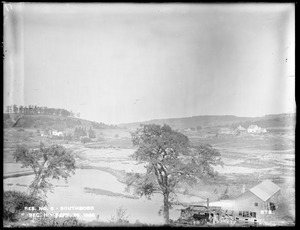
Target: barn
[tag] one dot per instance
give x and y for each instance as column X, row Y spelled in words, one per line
column 254, row 204
column 258, row 201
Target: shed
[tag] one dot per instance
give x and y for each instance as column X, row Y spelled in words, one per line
column 257, row 201
column 241, row 130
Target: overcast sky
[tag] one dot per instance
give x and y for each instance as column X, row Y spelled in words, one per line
column 118, row 63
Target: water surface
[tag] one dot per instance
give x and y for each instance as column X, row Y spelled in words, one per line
column 73, row 193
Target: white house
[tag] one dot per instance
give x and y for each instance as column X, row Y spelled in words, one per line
column 256, row 129
column 53, row 132
column 57, row 133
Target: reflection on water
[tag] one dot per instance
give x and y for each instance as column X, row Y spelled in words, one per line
column 142, row 209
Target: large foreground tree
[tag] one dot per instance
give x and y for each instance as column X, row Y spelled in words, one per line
column 170, row 161
column 53, row 162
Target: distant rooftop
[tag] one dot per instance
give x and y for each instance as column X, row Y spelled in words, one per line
column 241, row 128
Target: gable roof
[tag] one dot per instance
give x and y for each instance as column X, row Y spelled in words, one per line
column 265, row 190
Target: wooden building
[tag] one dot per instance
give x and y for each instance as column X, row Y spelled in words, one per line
column 258, row 201
column 241, row 130
column 254, row 204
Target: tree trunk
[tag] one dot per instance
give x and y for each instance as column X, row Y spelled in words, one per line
column 166, row 208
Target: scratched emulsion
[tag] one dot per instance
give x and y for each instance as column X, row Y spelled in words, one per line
column 14, row 71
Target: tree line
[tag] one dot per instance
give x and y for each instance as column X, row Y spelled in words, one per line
column 80, row 131
column 34, row 110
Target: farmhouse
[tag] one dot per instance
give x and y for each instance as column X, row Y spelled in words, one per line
column 53, row 132
column 256, row 129
column 253, row 129
column 57, row 133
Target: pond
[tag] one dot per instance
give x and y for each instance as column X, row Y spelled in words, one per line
column 99, row 190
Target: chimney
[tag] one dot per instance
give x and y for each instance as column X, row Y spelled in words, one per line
column 244, row 188
column 207, row 202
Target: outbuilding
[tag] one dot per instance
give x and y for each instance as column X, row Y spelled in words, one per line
column 254, row 204
column 258, row 201
column 241, row 130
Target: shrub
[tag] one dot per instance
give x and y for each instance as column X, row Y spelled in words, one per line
column 121, row 217
column 85, row 140
column 57, row 137
column 225, row 195
column 14, row 203
column 79, row 132
column 91, row 133
column 51, row 221
column 68, row 137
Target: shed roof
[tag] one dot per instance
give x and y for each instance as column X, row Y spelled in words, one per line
column 241, row 128
column 265, row 190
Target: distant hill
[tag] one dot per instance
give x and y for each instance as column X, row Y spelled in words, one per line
column 274, row 120
column 49, row 121
column 195, row 122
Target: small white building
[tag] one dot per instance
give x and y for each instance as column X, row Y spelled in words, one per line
column 57, row 133
column 44, row 133
column 241, row 130
column 263, row 130
column 53, row 132
column 253, row 129
column 256, row 129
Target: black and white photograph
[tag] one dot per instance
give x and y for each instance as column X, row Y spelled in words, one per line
column 148, row 114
